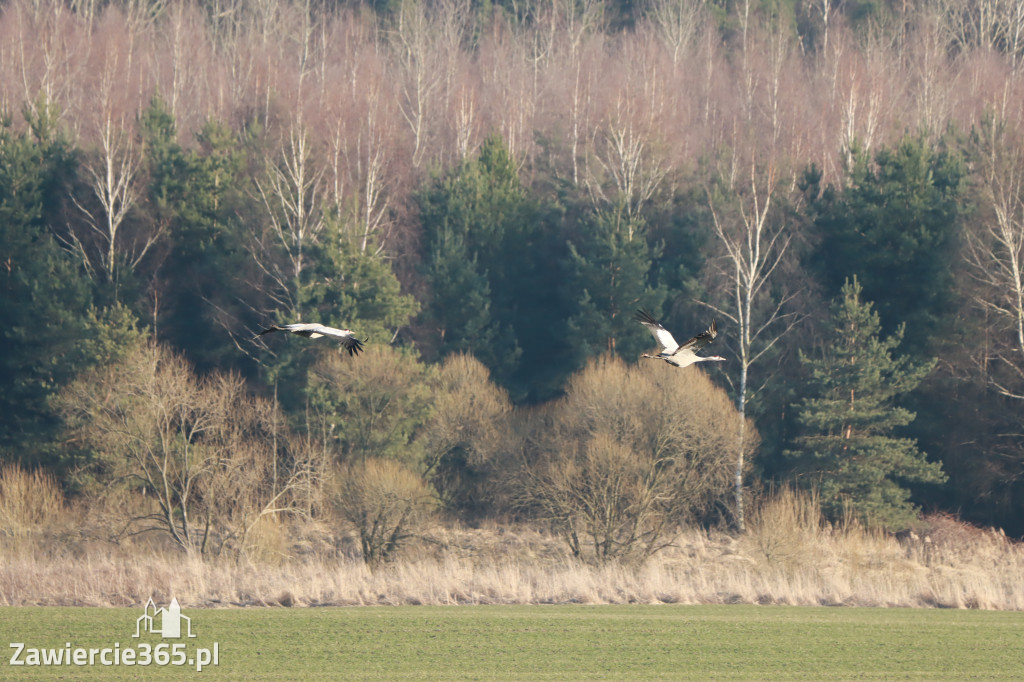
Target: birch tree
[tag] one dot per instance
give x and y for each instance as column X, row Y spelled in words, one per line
column 754, row 243
column 113, row 175
column 104, row 240
column 418, row 55
column 995, row 254
column 991, row 25
column 677, row 24
column 49, row 62
column 290, row 193
column 361, row 171
column 626, row 159
column 863, row 84
column 373, row 158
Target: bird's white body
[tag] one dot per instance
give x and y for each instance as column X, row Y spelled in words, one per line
column 312, row 330
column 679, row 355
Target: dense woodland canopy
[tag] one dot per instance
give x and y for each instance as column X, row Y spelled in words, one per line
column 509, row 182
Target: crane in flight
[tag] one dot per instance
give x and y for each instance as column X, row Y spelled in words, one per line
column 679, row 355
column 315, row 331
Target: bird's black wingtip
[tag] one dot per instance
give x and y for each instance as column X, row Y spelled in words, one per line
column 644, row 316
column 355, row 347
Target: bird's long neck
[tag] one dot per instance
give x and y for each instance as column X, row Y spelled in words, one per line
column 710, row 358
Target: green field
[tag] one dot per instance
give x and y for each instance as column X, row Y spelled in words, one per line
column 544, row 642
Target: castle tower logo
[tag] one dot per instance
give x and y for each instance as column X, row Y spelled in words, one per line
column 165, row 622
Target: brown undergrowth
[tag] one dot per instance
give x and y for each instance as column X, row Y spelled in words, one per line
column 51, row 554
column 781, row 560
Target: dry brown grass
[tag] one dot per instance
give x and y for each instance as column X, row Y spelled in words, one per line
column 30, row 501
column 32, row 508
column 947, row 564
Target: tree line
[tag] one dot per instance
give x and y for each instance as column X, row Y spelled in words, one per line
column 486, row 194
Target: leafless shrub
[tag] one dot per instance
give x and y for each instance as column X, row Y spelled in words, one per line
column 201, row 458
column 387, row 504
column 629, row 454
column 944, row 540
column 467, row 439
column 106, row 514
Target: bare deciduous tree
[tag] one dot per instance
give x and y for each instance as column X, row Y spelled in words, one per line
column 467, row 436
column 753, row 247
column 146, row 419
column 106, row 239
column 112, row 171
column 677, row 23
column 862, row 85
column 418, row 73
column 996, row 25
column 361, row 170
column 579, row 110
column 513, row 99
column 933, row 74
column 626, row 157
column 188, row 70
column 574, row 20
column 198, row 457
column 46, row 52
column 291, row 196
column 260, row 470
column 631, row 453
column 995, row 254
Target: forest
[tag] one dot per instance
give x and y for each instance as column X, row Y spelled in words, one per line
column 486, row 193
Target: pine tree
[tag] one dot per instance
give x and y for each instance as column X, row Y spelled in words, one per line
column 608, row 274
column 848, row 444
column 459, row 308
column 194, row 196
column 895, row 227
column 491, row 267
column 345, row 287
column 50, row 328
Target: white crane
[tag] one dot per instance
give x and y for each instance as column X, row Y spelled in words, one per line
column 673, row 353
column 315, row 331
